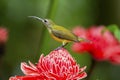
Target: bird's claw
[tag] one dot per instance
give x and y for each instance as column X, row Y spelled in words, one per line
column 59, row 47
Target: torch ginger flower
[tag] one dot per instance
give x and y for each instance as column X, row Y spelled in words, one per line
column 3, row 40
column 3, row 35
column 103, row 46
column 58, row 65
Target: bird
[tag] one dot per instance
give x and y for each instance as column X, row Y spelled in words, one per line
column 59, row 33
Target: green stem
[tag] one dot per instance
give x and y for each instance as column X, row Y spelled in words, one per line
column 2, row 50
column 52, row 9
column 93, row 64
column 50, row 14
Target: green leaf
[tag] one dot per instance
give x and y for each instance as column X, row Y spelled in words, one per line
column 112, row 28
column 117, row 34
column 115, row 30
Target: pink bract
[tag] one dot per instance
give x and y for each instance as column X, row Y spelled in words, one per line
column 3, row 35
column 58, row 65
column 103, row 46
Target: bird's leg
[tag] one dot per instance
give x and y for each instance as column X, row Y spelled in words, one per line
column 63, row 45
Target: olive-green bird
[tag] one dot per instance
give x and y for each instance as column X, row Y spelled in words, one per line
column 59, row 33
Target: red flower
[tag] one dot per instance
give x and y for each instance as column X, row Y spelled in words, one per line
column 58, row 65
column 102, row 41
column 3, row 39
column 83, row 46
column 113, row 54
column 3, row 35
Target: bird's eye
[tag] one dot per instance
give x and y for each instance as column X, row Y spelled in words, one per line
column 45, row 20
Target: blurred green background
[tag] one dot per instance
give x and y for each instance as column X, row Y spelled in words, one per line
column 28, row 38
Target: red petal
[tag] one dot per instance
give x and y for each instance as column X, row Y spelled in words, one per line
column 26, row 78
column 113, row 54
column 80, row 76
column 29, row 70
column 3, row 35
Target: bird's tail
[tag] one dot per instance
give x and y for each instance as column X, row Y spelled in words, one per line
column 83, row 40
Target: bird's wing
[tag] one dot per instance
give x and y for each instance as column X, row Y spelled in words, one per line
column 62, row 33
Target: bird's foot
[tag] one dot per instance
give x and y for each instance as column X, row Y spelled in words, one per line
column 59, row 47
column 62, row 46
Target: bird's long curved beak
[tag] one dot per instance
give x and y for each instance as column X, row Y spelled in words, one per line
column 35, row 17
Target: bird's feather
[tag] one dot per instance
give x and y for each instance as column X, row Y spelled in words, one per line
column 62, row 33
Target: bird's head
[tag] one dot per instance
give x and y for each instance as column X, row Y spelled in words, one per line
column 47, row 22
